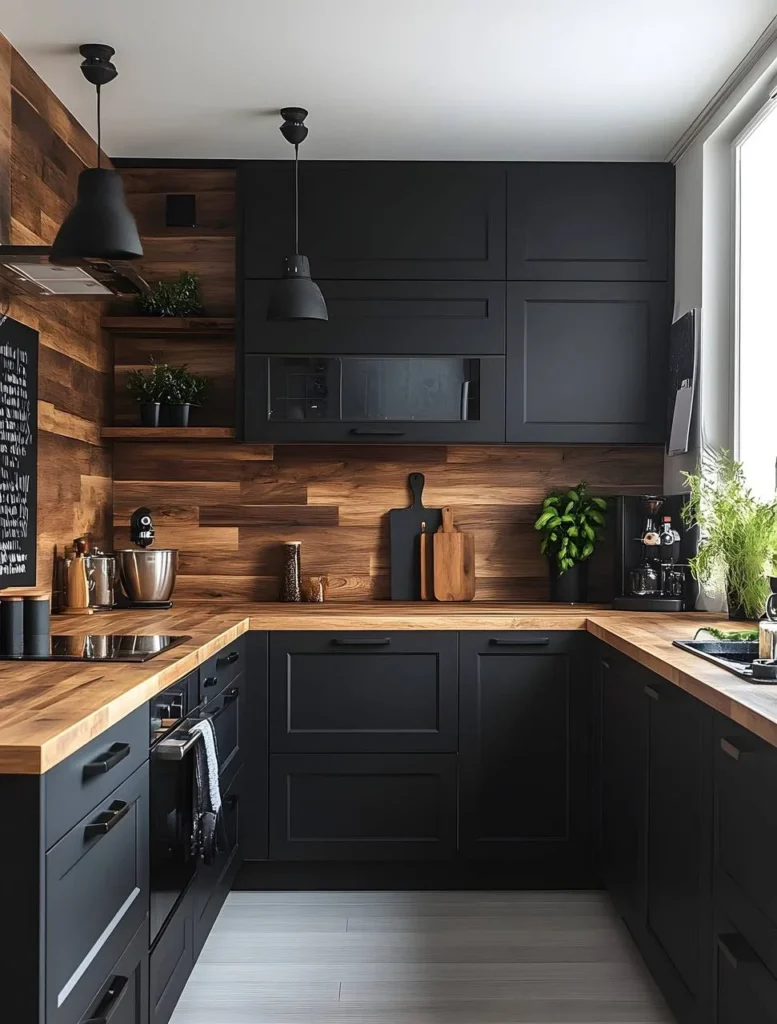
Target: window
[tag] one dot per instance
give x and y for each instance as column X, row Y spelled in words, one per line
column 756, row 301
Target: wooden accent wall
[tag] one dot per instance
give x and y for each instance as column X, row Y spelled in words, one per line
column 42, row 151
column 229, row 507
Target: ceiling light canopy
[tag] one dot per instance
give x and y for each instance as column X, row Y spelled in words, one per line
column 296, row 296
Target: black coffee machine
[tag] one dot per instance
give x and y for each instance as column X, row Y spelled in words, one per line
column 651, row 555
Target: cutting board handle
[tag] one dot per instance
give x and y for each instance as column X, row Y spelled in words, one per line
column 447, row 520
column 416, row 483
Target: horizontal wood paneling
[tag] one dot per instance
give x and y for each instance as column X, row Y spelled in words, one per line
column 229, row 508
column 42, row 151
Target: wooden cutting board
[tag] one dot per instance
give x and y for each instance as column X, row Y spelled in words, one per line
column 454, row 562
column 405, row 533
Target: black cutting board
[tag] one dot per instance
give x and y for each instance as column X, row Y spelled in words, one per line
column 405, row 529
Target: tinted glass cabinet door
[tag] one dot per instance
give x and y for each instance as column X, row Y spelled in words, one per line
column 387, row 220
column 586, row 362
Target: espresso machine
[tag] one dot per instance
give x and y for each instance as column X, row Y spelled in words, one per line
column 652, row 552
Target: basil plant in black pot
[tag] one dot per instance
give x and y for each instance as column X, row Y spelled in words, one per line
column 571, row 523
column 147, row 388
column 182, row 390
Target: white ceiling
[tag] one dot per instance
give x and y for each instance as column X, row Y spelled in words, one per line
column 393, row 79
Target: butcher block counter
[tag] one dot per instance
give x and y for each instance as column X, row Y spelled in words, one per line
column 49, row 710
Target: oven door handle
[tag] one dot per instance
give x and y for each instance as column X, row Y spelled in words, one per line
column 180, row 741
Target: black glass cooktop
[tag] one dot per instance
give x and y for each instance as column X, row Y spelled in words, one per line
column 102, row 647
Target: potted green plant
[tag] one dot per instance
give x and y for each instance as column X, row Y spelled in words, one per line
column 147, row 388
column 571, row 522
column 182, row 389
column 737, row 534
column 173, row 298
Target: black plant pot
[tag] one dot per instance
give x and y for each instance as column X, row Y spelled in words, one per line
column 571, row 587
column 149, row 414
column 178, row 415
column 736, row 610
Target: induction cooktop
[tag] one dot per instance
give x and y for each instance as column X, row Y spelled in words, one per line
column 102, row 647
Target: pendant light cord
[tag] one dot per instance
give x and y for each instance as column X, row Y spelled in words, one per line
column 99, row 133
column 296, row 199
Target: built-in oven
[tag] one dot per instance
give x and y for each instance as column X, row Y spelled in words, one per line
column 172, row 781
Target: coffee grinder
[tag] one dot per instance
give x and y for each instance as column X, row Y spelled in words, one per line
column 652, row 552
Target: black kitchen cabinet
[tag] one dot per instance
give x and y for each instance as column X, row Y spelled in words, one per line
column 376, row 220
column 363, row 692
column 253, row 804
column 587, row 362
column 745, row 991
column 361, row 807
column 525, row 777
column 384, row 318
column 171, row 961
column 590, row 221
column 623, row 761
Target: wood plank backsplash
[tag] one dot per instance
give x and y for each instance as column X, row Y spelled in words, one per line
column 229, row 507
column 42, row 151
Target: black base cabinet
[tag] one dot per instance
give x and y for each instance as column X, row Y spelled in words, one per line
column 524, row 762
column 123, row 999
column 171, row 962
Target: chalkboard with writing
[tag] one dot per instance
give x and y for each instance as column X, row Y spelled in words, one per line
column 18, row 453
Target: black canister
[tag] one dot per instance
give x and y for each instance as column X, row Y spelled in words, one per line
column 37, row 625
column 11, row 626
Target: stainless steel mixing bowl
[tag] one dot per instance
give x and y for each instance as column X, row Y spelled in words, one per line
column 147, row 575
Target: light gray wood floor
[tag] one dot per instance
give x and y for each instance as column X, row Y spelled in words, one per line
column 420, row 958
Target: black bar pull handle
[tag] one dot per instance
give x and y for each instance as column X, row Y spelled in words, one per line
column 109, row 819
column 740, row 747
column 650, row 692
column 376, row 433
column 231, row 695
column 736, row 950
column 361, row 642
column 606, row 664
column 210, row 681
column 541, row 641
column 230, row 659
column 102, row 764
column 110, row 1002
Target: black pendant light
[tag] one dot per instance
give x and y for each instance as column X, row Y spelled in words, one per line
column 99, row 225
column 296, row 296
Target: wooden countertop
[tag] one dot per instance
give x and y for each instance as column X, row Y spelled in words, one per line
column 49, row 710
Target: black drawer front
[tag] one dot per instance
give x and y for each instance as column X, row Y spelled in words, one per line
column 83, row 780
column 363, row 692
column 123, row 999
column 746, row 991
column 225, row 714
column 746, row 797
column 362, row 806
column 96, row 897
column 213, row 881
column 222, row 669
column 171, row 961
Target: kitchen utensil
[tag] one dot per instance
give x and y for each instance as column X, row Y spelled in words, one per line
column 291, row 583
column 78, row 582
column 426, row 559
column 102, row 573
column 147, row 576
column 405, row 530
column 454, row 562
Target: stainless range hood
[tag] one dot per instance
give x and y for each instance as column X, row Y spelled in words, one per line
column 29, row 269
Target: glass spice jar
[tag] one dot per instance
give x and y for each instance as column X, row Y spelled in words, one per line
column 291, row 582
column 315, row 589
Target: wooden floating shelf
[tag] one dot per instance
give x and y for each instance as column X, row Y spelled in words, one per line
column 167, row 433
column 151, row 326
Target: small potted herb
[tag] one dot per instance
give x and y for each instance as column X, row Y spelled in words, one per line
column 173, row 298
column 182, row 389
column 570, row 523
column 147, row 388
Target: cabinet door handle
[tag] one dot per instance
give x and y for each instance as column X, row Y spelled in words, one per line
column 230, row 659
column 361, row 642
column 115, row 994
column 102, row 764
column 541, row 641
column 739, row 748
column 650, row 692
column 210, row 681
column 376, row 433
column 606, row 664
column 231, row 695
column 736, row 950
column 109, row 819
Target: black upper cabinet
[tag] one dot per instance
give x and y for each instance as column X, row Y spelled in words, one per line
column 589, row 222
column 586, row 362
column 523, row 748
column 386, row 220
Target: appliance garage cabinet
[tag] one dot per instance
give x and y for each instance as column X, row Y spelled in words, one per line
column 475, row 303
